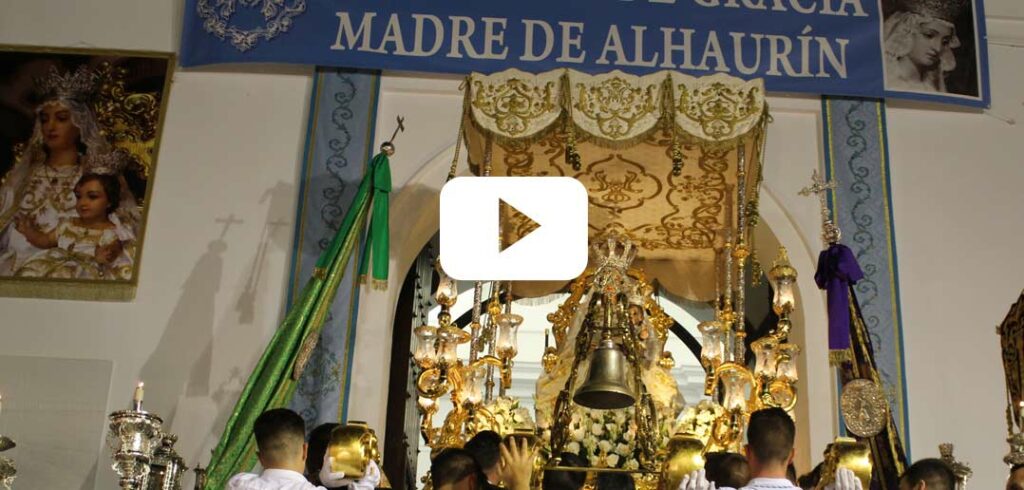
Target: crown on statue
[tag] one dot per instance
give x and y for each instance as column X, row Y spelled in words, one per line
column 110, row 163
column 79, row 85
column 613, row 250
column 947, row 10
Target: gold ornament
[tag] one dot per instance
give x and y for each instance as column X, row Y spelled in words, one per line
column 864, row 407
column 352, row 447
column 850, row 454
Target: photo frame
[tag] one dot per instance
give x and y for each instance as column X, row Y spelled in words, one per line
column 80, row 133
column 931, row 47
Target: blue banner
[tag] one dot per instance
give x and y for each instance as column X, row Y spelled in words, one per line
column 857, row 159
column 339, row 142
column 920, row 49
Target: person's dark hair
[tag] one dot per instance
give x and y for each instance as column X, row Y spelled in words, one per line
column 485, row 448
column 727, row 469
column 1012, row 484
column 319, row 438
column 615, row 481
column 810, row 480
column 111, row 186
column 279, row 433
column 454, row 465
column 935, row 473
column 566, row 480
column 791, row 473
column 770, row 435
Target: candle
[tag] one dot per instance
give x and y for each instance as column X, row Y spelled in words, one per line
column 137, row 398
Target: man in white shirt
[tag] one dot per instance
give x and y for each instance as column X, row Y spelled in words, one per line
column 770, row 437
column 281, row 447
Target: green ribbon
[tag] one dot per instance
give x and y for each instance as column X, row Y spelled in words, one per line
column 377, row 243
column 273, row 381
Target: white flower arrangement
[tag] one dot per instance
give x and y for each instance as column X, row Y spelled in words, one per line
column 698, row 419
column 509, row 415
column 607, row 438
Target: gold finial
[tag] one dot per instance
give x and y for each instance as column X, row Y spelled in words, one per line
column 829, row 230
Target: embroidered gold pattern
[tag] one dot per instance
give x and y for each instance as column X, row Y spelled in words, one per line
column 718, row 107
column 617, row 183
column 514, row 105
column 616, row 105
column 658, row 154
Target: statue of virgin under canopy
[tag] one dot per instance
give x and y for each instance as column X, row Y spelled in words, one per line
column 606, row 437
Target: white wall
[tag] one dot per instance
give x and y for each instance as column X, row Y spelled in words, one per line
column 231, row 145
column 957, row 201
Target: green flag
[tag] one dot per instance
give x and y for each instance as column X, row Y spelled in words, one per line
column 273, row 381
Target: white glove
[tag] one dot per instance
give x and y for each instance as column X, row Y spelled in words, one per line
column 330, row 479
column 845, row 480
column 696, row 481
column 370, row 480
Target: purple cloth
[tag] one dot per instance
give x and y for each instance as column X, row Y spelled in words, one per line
column 837, row 271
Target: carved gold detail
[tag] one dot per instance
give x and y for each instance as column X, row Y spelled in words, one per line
column 865, row 408
column 129, row 120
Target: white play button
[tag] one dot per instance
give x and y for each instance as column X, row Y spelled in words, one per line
column 552, row 242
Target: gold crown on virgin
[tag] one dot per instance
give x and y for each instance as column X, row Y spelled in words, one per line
column 110, row 163
column 947, row 10
column 613, row 250
column 78, row 85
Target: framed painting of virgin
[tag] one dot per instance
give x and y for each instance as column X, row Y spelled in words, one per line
column 79, row 139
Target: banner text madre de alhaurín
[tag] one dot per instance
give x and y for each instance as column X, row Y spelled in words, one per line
column 746, row 53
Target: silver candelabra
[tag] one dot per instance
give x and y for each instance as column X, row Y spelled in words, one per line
column 167, row 467
column 134, row 436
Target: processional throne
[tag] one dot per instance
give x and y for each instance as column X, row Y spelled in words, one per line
column 672, row 164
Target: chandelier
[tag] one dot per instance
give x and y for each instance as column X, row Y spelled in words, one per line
column 735, row 389
column 492, row 340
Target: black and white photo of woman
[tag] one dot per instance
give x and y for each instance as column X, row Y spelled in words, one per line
column 930, row 46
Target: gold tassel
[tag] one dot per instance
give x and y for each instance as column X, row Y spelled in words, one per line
column 376, row 284
column 839, row 357
column 677, row 154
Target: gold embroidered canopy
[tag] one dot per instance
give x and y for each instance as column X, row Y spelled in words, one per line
column 669, row 160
